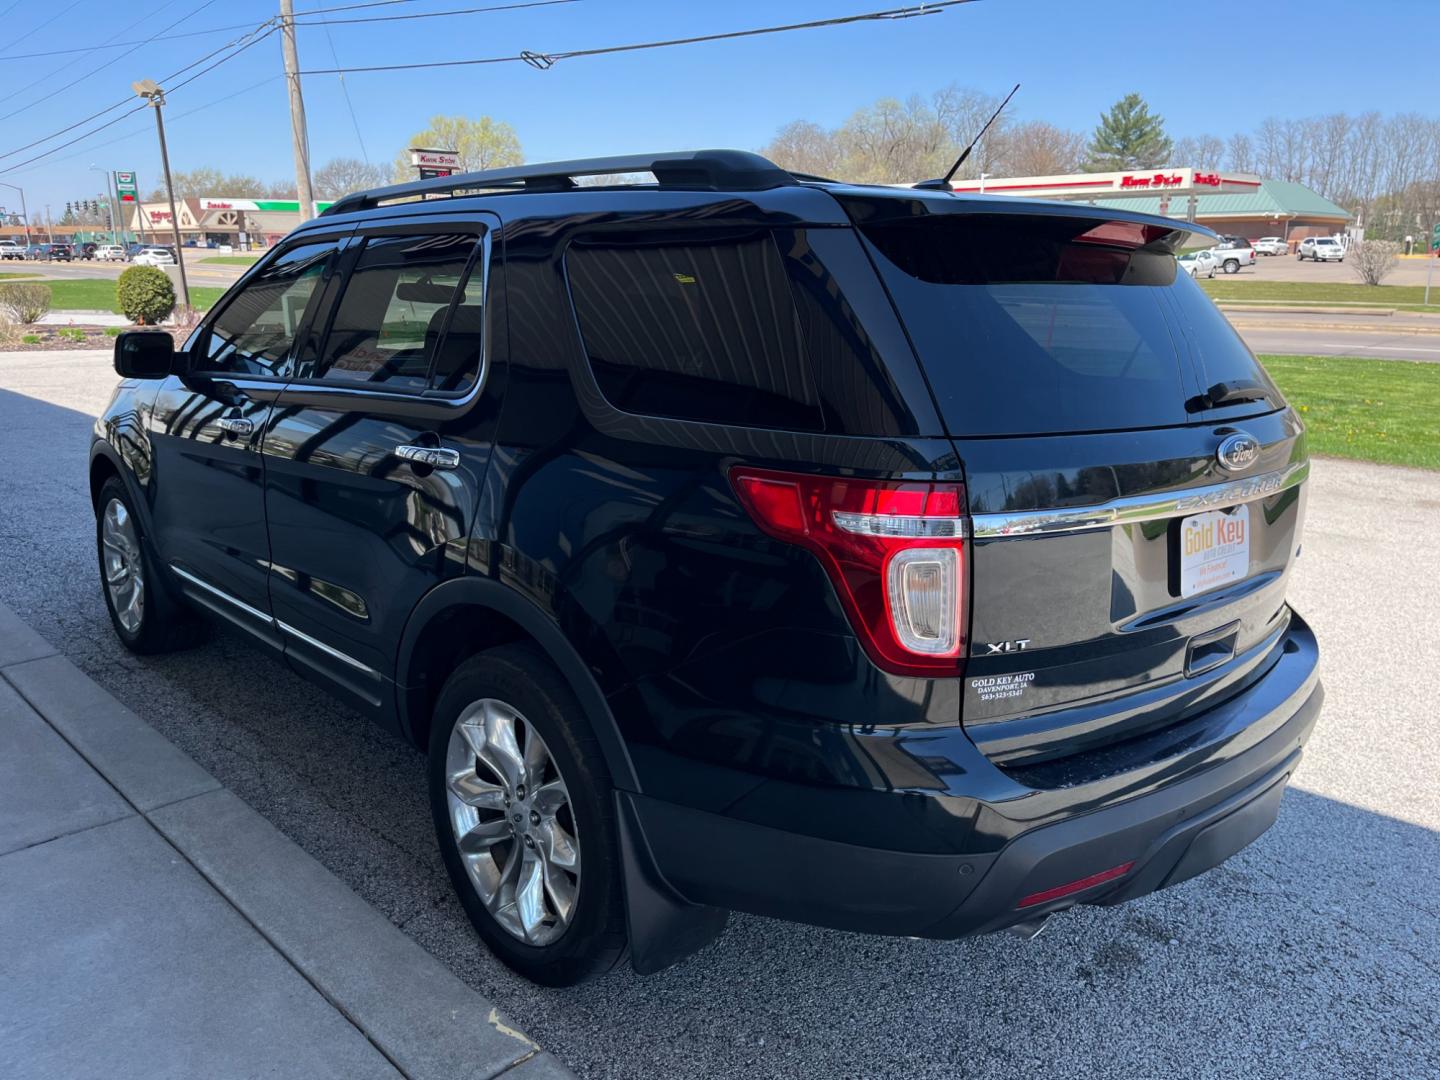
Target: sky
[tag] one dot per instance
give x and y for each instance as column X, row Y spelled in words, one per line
column 1215, row 66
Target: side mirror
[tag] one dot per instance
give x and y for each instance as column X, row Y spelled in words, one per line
column 144, row 354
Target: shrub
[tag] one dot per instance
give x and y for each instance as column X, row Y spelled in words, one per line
column 24, row 302
column 113, row 331
column 145, row 295
column 30, row 339
column 1373, row 260
column 72, row 333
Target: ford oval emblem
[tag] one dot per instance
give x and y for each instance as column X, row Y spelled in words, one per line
column 1237, row 452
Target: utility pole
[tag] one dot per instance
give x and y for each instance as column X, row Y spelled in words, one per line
column 150, row 91
column 299, row 134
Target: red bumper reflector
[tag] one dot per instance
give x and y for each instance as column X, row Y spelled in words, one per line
column 1076, row 886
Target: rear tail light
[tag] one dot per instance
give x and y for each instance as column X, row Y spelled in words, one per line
column 894, row 551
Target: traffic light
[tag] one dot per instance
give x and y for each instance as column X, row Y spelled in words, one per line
column 68, row 208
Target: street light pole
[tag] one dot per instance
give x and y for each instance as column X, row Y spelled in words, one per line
column 150, row 91
column 299, row 133
column 23, row 212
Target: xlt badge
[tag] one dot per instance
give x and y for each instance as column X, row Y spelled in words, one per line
column 1014, row 645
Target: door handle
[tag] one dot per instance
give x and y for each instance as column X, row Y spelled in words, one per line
column 434, row 457
column 235, row 426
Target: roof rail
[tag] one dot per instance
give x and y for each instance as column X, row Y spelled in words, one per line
column 695, row 170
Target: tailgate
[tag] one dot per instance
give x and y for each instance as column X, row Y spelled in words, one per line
column 1134, row 477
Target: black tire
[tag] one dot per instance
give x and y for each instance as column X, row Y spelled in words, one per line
column 595, row 939
column 165, row 624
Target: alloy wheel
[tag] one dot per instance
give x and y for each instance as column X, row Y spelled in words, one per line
column 513, row 821
column 124, row 569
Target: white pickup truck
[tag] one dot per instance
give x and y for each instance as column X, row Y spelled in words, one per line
column 1233, row 252
column 9, row 249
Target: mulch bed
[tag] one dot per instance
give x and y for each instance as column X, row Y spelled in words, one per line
column 57, row 338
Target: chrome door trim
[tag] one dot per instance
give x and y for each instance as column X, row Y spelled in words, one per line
column 1138, row 508
column 328, row 650
column 270, row 620
column 221, row 594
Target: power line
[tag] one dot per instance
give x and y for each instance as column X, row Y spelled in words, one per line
column 268, row 28
column 43, row 25
column 544, row 60
column 107, row 64
column 142, row 41
column 434, row 14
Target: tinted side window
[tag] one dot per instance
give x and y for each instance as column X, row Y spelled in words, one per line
column 699, row 328
column 395, row 309
column 254, row 333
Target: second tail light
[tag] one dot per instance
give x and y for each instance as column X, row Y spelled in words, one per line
column 895, row 552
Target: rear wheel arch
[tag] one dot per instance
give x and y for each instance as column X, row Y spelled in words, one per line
column 465, row 616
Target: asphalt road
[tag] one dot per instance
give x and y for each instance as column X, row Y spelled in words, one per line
column 1392, row 337
column 1314, row 953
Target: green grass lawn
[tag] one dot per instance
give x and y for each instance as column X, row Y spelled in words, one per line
column 7, row 276
column 231, row 260
column 1321, row 292
column 1373, row 410
column 98, row 294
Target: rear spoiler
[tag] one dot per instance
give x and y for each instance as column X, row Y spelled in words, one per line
column 1111, row 228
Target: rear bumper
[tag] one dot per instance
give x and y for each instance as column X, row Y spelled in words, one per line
column 1218, row 794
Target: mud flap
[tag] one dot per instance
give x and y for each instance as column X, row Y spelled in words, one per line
column 664, row 927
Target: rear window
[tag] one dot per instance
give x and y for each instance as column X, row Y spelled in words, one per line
column 1051, row 325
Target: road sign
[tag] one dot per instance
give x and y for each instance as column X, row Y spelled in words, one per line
column 125, row 186
column 1435, row 239
column 432, row 163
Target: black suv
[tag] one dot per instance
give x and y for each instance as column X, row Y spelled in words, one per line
column 879, row 558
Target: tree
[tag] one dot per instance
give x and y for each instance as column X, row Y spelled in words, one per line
column 1129, row 136
column 1199, row 151
column 1040, row 149
column 340, row 176
column 1373, row 260
column 212, row 182
column 482, row 143
column 805, row 147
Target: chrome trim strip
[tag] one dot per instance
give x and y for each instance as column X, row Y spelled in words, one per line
column 1138, row 508
column 222, row 595
column 900, row 525
column 327, row 649
column 270, row 620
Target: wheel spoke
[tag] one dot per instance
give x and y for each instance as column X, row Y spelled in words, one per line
column 549, row 798
column 560, row 888
column 560, row 847
column 530, row 894
column 473, row 791
column 483, row 836
column 500, row 751
column 537, row 757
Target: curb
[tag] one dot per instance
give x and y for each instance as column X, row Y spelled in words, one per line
column 1269, row 324
column 422, row 1018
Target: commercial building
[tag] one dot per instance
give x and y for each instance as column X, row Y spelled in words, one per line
column 1234, row 203
column 240, row 223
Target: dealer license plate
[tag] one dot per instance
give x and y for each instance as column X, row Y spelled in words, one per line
column 1214, row 549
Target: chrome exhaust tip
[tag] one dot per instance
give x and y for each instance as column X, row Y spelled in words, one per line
column 1030, row 929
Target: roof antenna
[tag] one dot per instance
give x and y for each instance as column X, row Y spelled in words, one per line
column 944, row 182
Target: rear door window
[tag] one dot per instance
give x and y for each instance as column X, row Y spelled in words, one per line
column 394, row 313
column 696, row 327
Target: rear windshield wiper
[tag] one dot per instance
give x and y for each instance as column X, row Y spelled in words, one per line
column 1231, row 393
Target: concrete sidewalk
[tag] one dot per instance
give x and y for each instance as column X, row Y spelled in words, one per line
column 152, row 925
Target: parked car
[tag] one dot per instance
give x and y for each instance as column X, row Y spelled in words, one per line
column 110, row 253
column 134, row 247
column 85, row 250
column 707, row 571
column 1321, row 249
column 154, row 256
column 1232, row 253
column 1199, row 263
column 11, row 249
column 37, row 251
column 1271, row 245
column 58, row 252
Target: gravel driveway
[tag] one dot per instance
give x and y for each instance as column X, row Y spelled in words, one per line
column 1314, row 953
